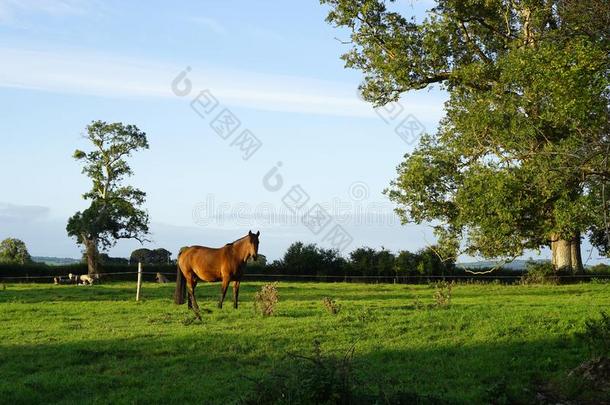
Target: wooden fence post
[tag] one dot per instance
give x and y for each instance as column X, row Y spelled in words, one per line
column 139, row 288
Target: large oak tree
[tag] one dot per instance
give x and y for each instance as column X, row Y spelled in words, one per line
column 115, row 211
column 520, row 160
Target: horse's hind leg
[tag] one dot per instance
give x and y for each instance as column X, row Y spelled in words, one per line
column 223, row 291
column 190, row 301
column 190, row 286
column 235, row 293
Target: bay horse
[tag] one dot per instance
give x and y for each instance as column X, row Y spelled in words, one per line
column 224, row 264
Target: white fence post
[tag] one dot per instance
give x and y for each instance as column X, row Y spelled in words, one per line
column 139, row 288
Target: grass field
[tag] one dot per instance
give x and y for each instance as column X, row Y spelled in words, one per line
column 494, row 343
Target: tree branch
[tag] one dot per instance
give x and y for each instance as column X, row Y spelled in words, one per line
column 473, row 45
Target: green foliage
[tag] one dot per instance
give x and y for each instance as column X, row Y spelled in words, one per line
column 368, row 261
column 540, row 273
column 600, row 269
column 260, row 262
column 302, row 259
column 14, row 251
column 148, row 256
column 309, row 259
column 107, row 260
column 430, row 263
column 520, row 158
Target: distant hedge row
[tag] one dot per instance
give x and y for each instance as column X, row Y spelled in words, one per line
column 40, row 272
column 301, row 270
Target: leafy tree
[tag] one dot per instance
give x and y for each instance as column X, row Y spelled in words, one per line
column 362, row 261
column 367, row 261
column 115, row 210
column 309, row 259
column 430, row 263
column 406, row 263
column 148, row 256
column 142, row 255
column 105, row 259
column 520, row 161
column 385, row 263
column 258, row 265
column 14, row 251
column 260, row 261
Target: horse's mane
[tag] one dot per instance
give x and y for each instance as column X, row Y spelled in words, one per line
column 235, row 241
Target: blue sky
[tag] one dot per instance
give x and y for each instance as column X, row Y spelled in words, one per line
column 275, row 65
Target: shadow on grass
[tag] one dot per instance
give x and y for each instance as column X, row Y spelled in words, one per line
column 208, row 367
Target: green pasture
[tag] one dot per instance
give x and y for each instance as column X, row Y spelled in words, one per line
column 493, row 344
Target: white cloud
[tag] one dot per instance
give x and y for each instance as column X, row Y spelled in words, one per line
column 81, row 72
column 13, row 212
column 12, row 10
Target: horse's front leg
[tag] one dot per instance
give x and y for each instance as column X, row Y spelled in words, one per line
column 235, row 293
column 223, row 291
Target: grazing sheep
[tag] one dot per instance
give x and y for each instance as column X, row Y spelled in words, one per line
column 161, row 278
column 86, row 279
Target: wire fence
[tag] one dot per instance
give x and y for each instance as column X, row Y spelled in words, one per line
column 399, row 279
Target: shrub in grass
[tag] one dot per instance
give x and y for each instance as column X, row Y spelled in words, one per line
column 300, row 379
column 266, row 299
column 539, row 273
column 323, row 378
column 442, row 295
column 331, row 305
column 418, row 304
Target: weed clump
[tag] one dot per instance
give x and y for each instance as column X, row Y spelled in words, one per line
column 266, row 299
column 442, row 295
column 418, row 304
column 325, row 378
column 331, row 305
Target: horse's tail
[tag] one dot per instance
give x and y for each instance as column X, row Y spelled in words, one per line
column 180, row 283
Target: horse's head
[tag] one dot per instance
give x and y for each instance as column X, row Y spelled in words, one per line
column 253, row 244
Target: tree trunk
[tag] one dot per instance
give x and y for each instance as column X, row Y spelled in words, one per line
column 577, row 266
column 92, row 256
column 566, row 254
